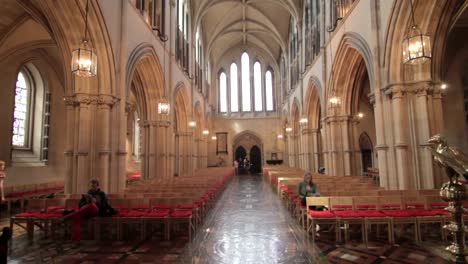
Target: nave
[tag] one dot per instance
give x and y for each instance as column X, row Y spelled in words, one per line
column 248, row 224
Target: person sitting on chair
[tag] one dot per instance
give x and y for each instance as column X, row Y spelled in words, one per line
column 92, row 203
column 307, row 188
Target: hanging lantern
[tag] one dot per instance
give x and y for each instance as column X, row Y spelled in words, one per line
column 205, row 132
column 164, row 107
column 192, row 124
column 334, row 102
column 84, row 59
column 280, row 136
column 303, row 121
column 416, row 46
column 289, row 129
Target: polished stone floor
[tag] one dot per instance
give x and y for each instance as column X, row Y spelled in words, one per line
column 248, row 225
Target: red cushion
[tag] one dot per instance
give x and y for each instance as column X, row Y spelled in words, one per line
column 181, row 214
column 398, row 213
column 321, row 214
column 424, row 212
column 140, row 207
column 28, row 214
column 131, row 214
column 371, row 213
column 347, row 213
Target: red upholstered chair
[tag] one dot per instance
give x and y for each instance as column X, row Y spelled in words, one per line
column 319, row 217
column 368, row 207
column 392, row 206
column 342, row 207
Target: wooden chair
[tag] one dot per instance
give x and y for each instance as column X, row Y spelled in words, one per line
column 320, row 217
column 372, row 216
column 343, row 209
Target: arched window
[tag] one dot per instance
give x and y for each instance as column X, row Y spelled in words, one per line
column 22, row 112
column 269, row 91
column 136, row 137
column 246, row 105
column 31, row 118
column 222, row 93
column 258, row 86
column 234, row 89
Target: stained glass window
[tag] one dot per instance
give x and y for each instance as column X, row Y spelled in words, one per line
column 21, row 113
column 269, row 91
column 234, row 89
column 258, row 86
column 222, row 93
column 245, row 83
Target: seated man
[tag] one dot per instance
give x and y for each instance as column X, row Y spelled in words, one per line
column 93, row 203
column 307, row 188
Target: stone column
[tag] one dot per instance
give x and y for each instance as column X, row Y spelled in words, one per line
column 161, row 153
column 307, row 149
column 82, row 151
column 70, row 171
column 347, row 149
column 104, row 152
column 426, row 175
column 401, row 142
column 315, row 160
column 291, row 154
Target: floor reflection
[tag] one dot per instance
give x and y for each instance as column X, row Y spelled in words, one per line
column 249, row 225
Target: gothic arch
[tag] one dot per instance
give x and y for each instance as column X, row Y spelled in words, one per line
column 352, row 57
column 182, row 107
column 247, row 139
column 144, row 70
column 312, row 106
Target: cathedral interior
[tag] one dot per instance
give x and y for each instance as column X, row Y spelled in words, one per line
column 202, row 120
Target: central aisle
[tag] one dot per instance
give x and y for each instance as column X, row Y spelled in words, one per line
column 250, row 225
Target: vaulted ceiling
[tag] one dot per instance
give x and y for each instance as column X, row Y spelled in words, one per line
column 231, row 23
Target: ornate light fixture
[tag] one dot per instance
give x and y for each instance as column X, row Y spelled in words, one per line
column 192, row 124
column 289, row 129
column 84, row 59
column 360, row 115
column 334, row 102
column 163, row 106
column 443, row 86
column 280, row 136
column 416, row 46
column 205, row 132
column 303, row 121
column 213, row 138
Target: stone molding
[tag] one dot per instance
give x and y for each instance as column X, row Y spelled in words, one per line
column 81, row 99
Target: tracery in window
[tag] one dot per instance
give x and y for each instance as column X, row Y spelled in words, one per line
column 246, row 107
column 258, row 87
column 234, row 89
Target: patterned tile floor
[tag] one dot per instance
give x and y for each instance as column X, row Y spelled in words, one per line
column 248, row 225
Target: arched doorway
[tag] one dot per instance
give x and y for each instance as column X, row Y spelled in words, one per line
column 255, row 160
column 365, row 144
column 240, row 153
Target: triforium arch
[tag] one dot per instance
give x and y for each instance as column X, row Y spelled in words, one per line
column 353, row 70
column 184, row 136
column 310, row 136
column 200, row 148
column 412, row 94
column 145, row 84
